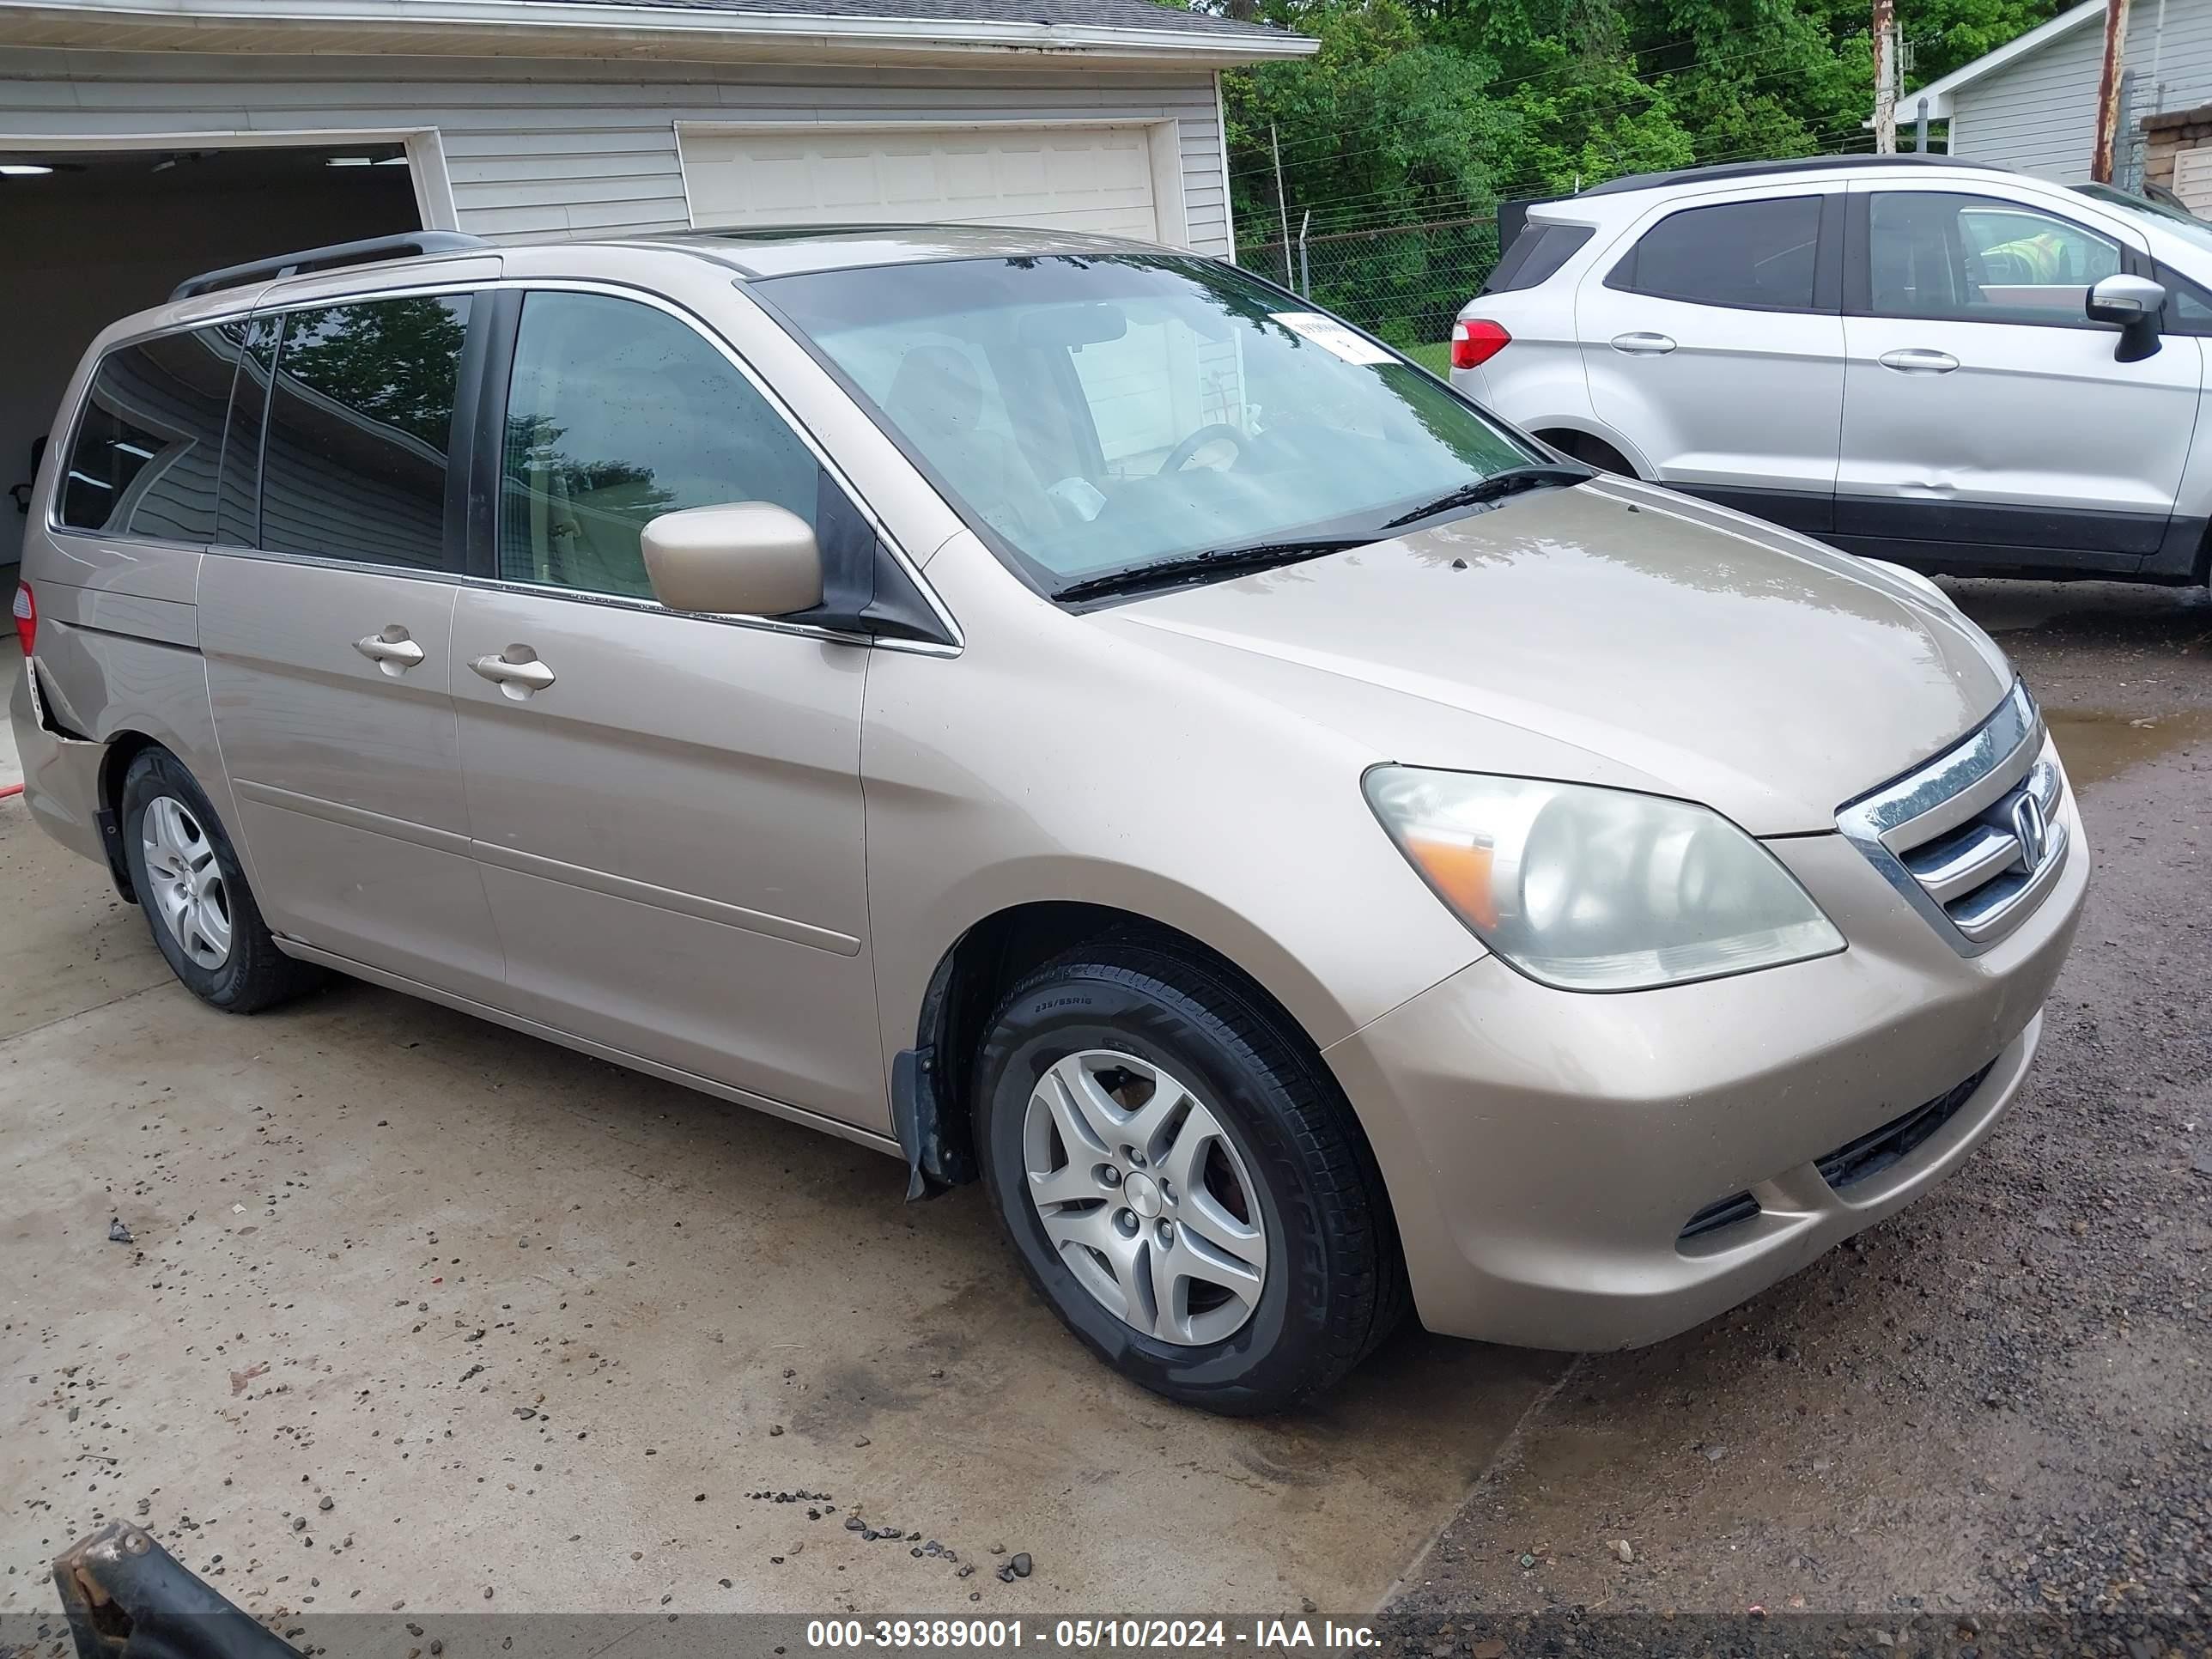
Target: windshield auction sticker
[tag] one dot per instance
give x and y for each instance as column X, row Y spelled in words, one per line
column 1331, row 335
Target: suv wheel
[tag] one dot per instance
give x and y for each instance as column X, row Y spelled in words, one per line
column 1183, row 1180
column 196, row 902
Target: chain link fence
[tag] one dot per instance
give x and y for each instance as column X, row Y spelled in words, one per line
column 1402, row 282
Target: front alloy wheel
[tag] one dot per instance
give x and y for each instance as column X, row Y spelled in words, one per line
column 1181, row 1177
column 1146, row 1197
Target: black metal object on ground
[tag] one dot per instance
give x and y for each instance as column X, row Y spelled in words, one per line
column 128, row 1598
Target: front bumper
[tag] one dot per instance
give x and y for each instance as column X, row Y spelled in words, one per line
column 1545, row 1150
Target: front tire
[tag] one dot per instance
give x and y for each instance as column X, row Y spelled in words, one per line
column 189, row 882
column 1182, row 1179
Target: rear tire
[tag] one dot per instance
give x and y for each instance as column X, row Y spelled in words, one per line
column 201, row 912
column 1273, row 1268
column 1591, row 452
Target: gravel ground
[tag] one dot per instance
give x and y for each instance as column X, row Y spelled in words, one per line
column 1985, row 1424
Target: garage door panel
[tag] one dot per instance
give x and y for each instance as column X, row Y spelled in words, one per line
column 1097, row 179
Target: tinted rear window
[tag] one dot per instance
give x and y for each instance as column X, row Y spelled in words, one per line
column 1758, row 255
column 358, row 430
column 149, row 443
column 1536, row 254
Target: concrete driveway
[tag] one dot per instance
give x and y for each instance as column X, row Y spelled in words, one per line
column 493, row 1319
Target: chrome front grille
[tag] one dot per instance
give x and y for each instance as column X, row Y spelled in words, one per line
column 1975, row 838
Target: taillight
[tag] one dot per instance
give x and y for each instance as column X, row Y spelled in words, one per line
column 1475, row 341
column 26, row 618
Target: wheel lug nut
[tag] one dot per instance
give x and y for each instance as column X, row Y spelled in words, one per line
column 1165, row 1231
column 1109, row 1176
column 1125, row 1223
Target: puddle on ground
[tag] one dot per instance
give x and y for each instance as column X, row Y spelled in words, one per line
column 2099, row 744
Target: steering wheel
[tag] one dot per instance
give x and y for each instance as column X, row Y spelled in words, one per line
column 1179, row 457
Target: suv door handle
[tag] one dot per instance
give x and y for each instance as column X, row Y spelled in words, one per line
column 518, row 679
column 1918, row 360
column 1642, row 344
column 392, row 650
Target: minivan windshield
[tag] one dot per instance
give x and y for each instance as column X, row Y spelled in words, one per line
column 1100, row 414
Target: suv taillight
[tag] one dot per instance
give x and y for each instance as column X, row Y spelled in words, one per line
column 1475, row 341
column 26, row 618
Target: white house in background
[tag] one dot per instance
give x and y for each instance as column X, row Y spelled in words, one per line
column 142, row 141
column 2033, row 102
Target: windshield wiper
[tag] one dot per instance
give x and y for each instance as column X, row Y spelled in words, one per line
column 1208, row 564
column 1498, row 485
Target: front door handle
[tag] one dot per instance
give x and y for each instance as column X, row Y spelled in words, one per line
column 1642, row 344
column 392, row 650
column 1918, row 360
column 516, row 671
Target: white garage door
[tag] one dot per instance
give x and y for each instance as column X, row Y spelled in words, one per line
column 1093, row 178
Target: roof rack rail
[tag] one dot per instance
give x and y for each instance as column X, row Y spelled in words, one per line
column 369, row 250
column 1721, row 170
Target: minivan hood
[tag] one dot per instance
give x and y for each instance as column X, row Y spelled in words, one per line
column 1611, row 633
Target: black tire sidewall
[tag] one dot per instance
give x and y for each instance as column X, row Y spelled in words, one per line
column 156, row 773
column 1272, row 1359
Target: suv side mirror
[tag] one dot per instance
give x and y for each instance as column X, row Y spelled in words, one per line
column 2136, row 303
column 750, row 558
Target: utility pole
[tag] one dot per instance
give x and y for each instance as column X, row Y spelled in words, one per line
column 1884, row 77
column 2108, row 90
column 1282, row 206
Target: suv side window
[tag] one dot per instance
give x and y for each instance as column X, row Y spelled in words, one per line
column 359, row 431
column 1535, row 255
column 617, row 412
column 1748, row 255
column 1978, row 259
column 148, row 446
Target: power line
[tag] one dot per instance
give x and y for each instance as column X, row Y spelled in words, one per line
column 1646, row 77
column 1527, row 175
column 1366, row 217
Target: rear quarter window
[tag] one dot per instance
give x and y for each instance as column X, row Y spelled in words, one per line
column 1536, row 256
column 149, row 445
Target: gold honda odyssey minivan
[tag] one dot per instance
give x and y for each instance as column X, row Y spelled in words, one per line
column 1070, row 716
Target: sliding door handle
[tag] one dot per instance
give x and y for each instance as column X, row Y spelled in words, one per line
column 516, row 678
column 392, row 650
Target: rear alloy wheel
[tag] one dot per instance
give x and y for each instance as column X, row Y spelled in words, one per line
column 184, row 880
column 1182, row 1178
column 187, row 878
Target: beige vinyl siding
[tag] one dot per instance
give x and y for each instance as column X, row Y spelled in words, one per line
column 2039, row 111
column 554, row 147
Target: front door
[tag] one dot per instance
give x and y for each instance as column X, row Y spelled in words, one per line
column 1985, row 419
column 1714, row 343
column 325, row 616
column 667, row 808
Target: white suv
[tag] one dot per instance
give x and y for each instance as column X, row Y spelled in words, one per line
column 1958, row 367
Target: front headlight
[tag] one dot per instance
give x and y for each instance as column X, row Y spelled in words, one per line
column 1598, row 889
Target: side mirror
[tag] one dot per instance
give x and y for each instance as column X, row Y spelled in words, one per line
column 750, row 558
column 2136, row 303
